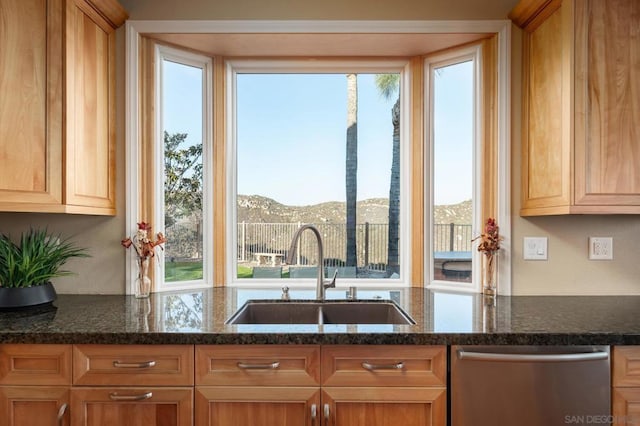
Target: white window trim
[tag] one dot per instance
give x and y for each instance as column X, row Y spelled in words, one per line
column 132, row 102
column 503, row 165
column 206, row 64
column 452, row 57
column 239, row 66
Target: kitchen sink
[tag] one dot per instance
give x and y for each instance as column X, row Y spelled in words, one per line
column 317, row 312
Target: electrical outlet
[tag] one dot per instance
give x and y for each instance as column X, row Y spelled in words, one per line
column 535, row 248
column 600, row 248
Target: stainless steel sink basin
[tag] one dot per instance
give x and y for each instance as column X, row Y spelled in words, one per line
column 315, row 312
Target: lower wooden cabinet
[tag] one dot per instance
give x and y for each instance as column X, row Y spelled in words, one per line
column 626, row 385
column 131, row 406
column 34, row 406
column 383, row 406
column 291, row 406
column 626, row 406
column 222, row 385
column 257, row 406
column 367, row 385
column 34, row 385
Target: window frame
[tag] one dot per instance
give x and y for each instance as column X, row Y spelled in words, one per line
column 317, row 66
column 205, row 63
column 135, row 125
column 454, row 56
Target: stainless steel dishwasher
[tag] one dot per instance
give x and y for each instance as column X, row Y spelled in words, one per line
column 530, row 385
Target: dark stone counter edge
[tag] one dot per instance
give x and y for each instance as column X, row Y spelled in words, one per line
column 323, row 339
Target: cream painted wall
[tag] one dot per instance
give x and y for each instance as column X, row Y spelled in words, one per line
column 568, row 271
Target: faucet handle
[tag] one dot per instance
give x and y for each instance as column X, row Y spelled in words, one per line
column 332, row 283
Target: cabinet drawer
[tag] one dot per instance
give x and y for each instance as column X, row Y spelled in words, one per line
column 125, row 365
column 35, row 364
column 139, row 406
column 384, row 365
column 626, row 366
column 258, row 365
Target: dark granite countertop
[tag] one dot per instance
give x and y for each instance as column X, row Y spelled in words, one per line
column 198, row 317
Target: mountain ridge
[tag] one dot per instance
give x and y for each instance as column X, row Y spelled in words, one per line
column 260, row 209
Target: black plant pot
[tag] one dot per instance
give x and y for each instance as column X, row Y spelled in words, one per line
column 22, row 297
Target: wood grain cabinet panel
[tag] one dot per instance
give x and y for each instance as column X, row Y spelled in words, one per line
column 257, row 406
column 31, row 102
column 258, row 365
column 34, row 384
column 57, row 109
column 626, row 385
column 384, row 365
column 144, row 365
column 34, row 406
column 139, row 406
column 384, row 406
column 41, row 365
column 581, row 118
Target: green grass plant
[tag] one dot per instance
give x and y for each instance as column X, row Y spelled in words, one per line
column 182, row 271
column 36, row 259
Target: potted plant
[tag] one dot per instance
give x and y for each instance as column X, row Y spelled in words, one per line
column 27, row 268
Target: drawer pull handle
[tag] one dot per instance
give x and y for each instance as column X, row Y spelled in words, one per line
column 115, row 397
column 268, row 366
column 327, row 414
column 314, row 414
column 146, row 364
column 372, row 367
column 61, row 411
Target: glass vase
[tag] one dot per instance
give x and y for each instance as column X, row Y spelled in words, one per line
column 490, row 273
column 143, row 282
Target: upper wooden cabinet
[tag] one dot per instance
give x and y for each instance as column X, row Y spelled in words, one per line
column 581, row 115
column 57, row 129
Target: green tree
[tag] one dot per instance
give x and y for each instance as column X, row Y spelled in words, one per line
column 351, row 167
column 183, row 177
column 388, row 85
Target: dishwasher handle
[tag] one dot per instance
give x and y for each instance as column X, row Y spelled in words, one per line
column 505, row 357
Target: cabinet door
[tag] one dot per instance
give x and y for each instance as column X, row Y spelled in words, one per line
column 626, row 406
column 30, row 104
column 257, row 406
column 383, row 406
column 546, row 156
column 34, row 406
column 607, row 120
column 131, row 406
column 90, row 78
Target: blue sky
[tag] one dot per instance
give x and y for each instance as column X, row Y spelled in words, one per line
column 292, row 130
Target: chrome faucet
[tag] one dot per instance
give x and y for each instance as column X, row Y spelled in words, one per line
column 321, row 285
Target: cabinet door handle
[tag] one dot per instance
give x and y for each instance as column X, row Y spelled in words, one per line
column 314, row 414
column 115, row 397
column 145, row 364
column 371, row 367
column 61, row 411
column 327, row 414
column 267, row 366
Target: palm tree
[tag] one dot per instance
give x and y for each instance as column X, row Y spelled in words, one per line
column 351, row 167
column 388, row 85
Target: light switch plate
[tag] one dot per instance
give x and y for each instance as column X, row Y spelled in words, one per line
column 535, row 248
